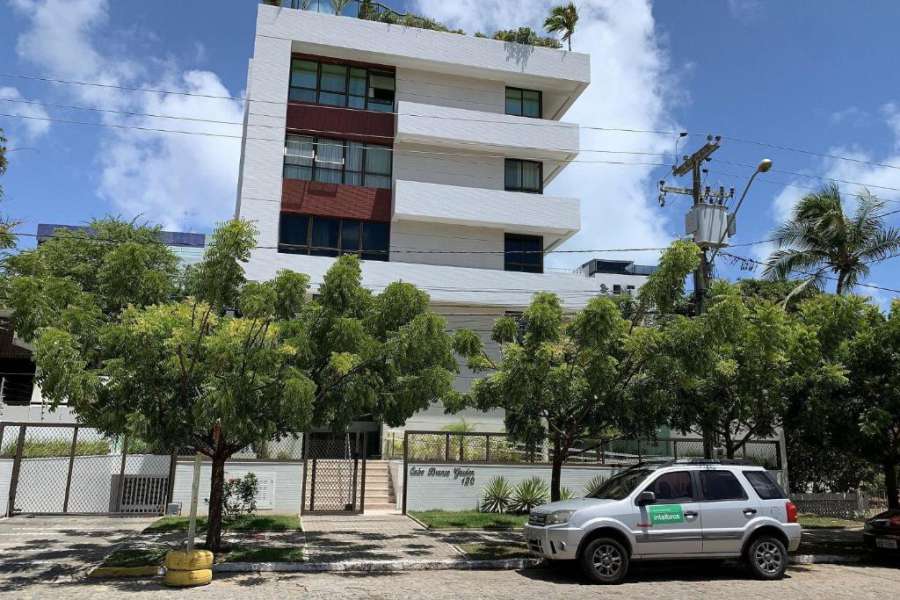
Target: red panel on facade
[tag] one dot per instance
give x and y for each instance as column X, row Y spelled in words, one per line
column 336, row 200
column 345, row 123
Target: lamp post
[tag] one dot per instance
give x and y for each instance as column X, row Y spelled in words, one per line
column 763, row 166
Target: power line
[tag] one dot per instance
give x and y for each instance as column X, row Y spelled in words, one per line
column 821, row 177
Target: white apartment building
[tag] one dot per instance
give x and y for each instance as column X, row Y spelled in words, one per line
column 427, row 153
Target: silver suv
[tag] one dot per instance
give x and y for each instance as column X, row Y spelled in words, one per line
column 682, row 509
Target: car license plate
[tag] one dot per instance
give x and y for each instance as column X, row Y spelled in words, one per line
column 887, row 543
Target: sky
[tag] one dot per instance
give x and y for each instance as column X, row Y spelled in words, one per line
column 771, row 77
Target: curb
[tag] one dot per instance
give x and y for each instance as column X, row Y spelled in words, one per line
column 380, row 566
column 820, row 559
column 114, row 572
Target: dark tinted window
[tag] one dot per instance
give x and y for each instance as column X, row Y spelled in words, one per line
column 375, row 241
column 675, row 486
column 334, row 84
column 523, row 253
column 721, row 485
column 322, row 236
column 294, row 231
column 523, row 103
column 330, row 160
column 619, row 486
column 765, row 485
column 523, row 176
column 325, row 237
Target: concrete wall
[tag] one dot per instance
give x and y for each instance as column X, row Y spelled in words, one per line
column 459, row 487
column 469, row 93
column 279, row 485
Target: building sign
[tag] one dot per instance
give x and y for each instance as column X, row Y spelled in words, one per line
column 465, row 476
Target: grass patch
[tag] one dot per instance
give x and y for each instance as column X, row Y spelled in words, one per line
column 817, row 522
column 246, row 523
column 495, row 550
column 261, row 554
column 468, row 519
column 136, row 557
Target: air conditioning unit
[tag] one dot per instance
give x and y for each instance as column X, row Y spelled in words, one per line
column 708, row 224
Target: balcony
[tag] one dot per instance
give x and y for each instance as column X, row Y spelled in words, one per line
column 478, row 131
column 477, row 207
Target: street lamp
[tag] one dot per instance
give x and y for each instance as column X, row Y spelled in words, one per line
column 763, row 166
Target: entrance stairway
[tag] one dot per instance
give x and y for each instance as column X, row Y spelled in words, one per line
column 379, row 487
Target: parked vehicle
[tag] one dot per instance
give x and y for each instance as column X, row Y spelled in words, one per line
column 882, row 532
column 692, row 509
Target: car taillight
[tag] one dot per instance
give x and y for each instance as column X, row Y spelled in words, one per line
column 895, row 521
column 791, row 509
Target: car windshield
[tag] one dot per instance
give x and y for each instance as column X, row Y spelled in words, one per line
column 618, row 487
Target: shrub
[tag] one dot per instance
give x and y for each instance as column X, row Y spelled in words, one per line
column 529, row 493
column 594, row 484
column 566, row 493
column 240, row 496
column 497, row 496
column 53, row 448
column 526, row 35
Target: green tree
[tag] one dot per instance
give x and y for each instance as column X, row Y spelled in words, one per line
column 563, row 19
column 237, row 364
column 7, row 238
column 564, row 378
column 873, row 362
column 339, row 5
column 821, row 238
column 728, row 367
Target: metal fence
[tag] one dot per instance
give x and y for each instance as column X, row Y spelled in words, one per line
column 497, row 448
column 69, row 469
column 851, row 505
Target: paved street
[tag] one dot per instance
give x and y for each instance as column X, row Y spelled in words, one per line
column 56, row 549
column 815, row 582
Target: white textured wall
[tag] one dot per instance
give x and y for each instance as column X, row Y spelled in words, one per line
column 432, row 164
column 448, row 493
column 424, row 87
column 408, row 236
column 286, row 493
column 5, row 475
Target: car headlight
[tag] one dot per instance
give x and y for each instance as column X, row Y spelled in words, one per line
column 559, row 516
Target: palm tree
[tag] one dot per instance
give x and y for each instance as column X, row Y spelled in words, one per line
column 820, row 237
column 339, row 5
column 563, row 18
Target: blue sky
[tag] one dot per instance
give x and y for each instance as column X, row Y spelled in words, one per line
column 817, row 76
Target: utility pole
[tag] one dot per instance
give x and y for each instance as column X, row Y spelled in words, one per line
column 698, row 219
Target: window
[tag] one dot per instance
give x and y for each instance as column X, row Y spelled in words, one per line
column 721, row 485
column 523, row 253
column 328, row 236
column 673, row 487
column 619, row 486
column 765, row 485
column 335, row 84
column 331, row 160
column 524, row 103
column 524, row 176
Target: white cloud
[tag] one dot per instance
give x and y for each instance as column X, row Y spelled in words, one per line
column 852, row 115
column 33, row 124
column 630, row 89
column 176, row 180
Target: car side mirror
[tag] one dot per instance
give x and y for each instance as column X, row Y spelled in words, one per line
column 646, row 498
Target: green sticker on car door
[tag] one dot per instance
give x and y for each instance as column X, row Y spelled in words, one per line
column 664, row 514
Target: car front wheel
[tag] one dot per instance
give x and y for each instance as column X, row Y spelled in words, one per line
column 605, row 560
column 767, row 558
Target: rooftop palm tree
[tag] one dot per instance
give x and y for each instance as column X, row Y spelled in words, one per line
column 563, row 18
column 820, row 237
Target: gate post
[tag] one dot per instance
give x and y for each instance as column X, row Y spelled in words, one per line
column 405, row 467
column 170, row 492
column 362, row 493
column 14, row 479
column 120, row 492
column 303, row 473
column 71, row 465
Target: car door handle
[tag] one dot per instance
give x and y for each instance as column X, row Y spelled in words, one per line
column 749, row 511
column 690, row 514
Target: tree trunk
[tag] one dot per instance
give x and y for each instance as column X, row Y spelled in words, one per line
column 890, row 484
column 556, row 470
column 840, row 284
column 709, row 441
column 216, row 496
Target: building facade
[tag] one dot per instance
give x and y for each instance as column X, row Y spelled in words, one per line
column 425, row 153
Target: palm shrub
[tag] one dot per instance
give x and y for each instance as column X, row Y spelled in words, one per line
column 497, row 496
column 563, row 19
column 593, row 485
column 566, row 493
column 530, row 493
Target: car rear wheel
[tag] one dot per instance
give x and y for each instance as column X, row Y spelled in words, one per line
column 767, row 558
column 604, row 560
